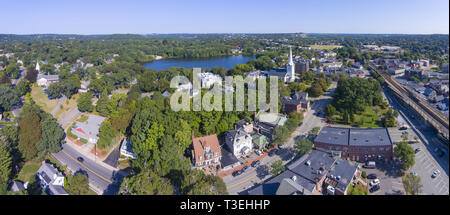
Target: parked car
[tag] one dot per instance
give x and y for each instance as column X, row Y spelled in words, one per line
column 374, row 182
column 272, row 152
column 236, row 173
column 414, row 173
column 370, row 165
column 245, row 168
column 435, row 173
column 258, row 152
column 417, row 150
column 405, row 132
column 372, row 176
column 256, row 163
column 374, row 188
column 80, row 159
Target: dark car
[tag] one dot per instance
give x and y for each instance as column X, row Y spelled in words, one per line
column 417, row 150
column 372, row 176
column 256, row 163
column 80, row 159
column 236, row 173
column 374, row 188
column 245, row 168
column 273, row 152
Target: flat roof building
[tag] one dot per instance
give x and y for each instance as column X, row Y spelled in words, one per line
column 360, row 144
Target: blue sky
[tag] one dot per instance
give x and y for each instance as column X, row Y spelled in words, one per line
column 227, row 16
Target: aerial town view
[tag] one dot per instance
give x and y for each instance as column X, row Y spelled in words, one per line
column 224, row 98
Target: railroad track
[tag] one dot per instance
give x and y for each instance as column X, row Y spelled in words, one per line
column 442, row 123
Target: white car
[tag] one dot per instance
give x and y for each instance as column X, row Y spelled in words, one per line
column 374, row 182
column 435, row 173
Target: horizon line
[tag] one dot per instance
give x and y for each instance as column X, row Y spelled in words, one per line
column 100, row 34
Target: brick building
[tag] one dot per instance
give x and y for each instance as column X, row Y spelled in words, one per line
column 297, row 102
column 358, row 144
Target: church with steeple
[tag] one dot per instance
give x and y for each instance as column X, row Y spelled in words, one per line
column 288, row 74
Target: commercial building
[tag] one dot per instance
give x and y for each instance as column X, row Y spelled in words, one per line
column 358, row 144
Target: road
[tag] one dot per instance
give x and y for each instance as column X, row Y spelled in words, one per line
column 252, row 176
column 102, row 180
column 426, row 161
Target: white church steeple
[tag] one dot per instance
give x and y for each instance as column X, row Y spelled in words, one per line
column 290, row 68
column 37, row 66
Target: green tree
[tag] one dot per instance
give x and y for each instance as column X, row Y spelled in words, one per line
column 8, row 98
column 102, row 104
column 330, row 110
column 277, row 167
column 52, row 135
column 85, row 102
column 29, row 135
column 146, row 183
column 316, row 90
column 412, row 184
column 23, row 87
column 280, row 134
column 5, row 165
column 303, row 146
column 77, row 184
column 405, row 154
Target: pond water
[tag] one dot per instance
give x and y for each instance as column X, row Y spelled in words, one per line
column 226, row 62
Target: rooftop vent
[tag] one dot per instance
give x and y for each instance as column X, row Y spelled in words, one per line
column 338, row 177
column 308, row 163
column 294, row 178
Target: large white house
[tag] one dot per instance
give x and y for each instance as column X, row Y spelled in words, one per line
column 51, row 181
column 239, row 142
column 207, row 79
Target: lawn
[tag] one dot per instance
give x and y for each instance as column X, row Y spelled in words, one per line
column 83, row 118
column 29, row 169
column 38, row 95
column 67, row 105
column 368, row 119
column 325, row 47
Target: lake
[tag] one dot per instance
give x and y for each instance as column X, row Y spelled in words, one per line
column 226, row 62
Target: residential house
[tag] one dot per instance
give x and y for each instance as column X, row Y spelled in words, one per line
column 206, row 151
column 297, row 102
column 51, row 180
column 126, row 148
column 239, row 142
column 244, row 124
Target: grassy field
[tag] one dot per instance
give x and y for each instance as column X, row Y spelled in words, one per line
column 29, row 168
column 368, row 119
column 38, row 95
column 325, row 47
column 67, row 105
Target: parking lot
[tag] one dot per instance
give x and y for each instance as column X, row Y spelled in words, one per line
column 387, row 173
column 424, row 167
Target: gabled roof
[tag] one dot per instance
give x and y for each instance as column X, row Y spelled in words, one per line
column 201, row 143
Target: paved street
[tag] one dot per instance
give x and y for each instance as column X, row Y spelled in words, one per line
column 427, row 160
column 102, row 180
column 248, row 179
